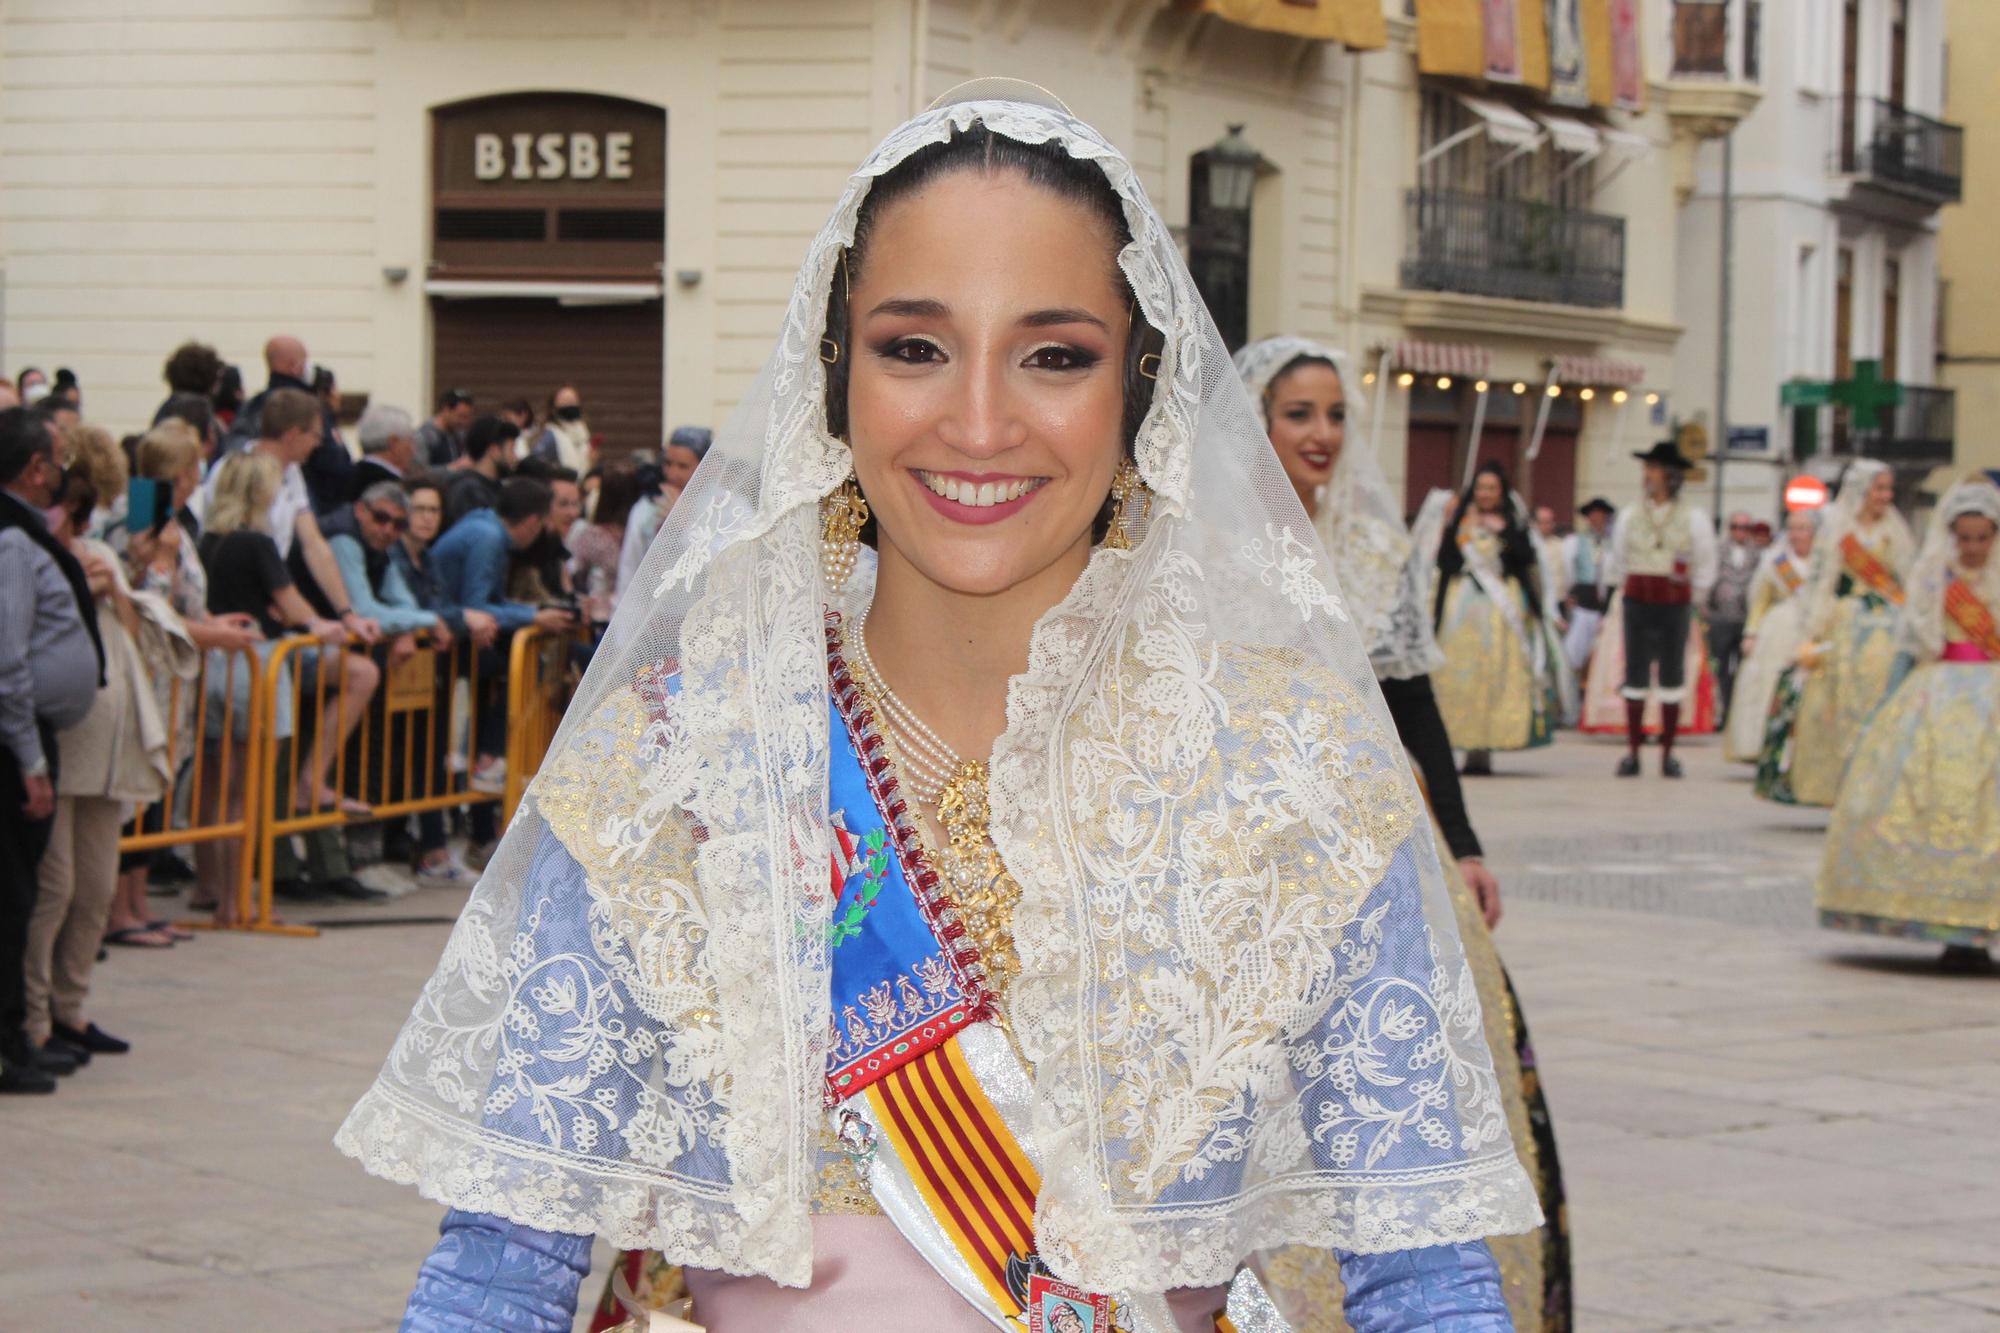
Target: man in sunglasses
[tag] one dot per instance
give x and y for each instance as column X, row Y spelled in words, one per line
column 361, row 536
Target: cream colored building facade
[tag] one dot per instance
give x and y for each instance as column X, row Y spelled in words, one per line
column 228, row 172
column 1841, row 173
column 1605, row 342
column 1969, row 264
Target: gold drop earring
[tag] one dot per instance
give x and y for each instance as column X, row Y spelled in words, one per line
column 841, row 518
column 1127, row 485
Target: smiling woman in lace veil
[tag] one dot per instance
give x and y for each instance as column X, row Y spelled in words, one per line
column 1177, row 980
column 1315, row 427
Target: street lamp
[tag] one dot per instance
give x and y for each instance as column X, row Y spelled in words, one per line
column 1232, row 171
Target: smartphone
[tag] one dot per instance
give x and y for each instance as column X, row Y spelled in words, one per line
column 148, row 505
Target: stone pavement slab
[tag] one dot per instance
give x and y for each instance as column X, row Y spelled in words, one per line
column 1762, row 1125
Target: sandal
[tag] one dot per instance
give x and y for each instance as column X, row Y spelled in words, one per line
column 138, row 937
column 169, row 929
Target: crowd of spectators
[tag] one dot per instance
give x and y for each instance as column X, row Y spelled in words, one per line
column 145, row 582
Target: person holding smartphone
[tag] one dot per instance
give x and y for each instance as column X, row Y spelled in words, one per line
column 472, row 563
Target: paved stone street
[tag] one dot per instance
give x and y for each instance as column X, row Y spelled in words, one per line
column 1762, row 1125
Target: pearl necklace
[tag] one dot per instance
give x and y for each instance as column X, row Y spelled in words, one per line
column 982, row 890
column 929, row 765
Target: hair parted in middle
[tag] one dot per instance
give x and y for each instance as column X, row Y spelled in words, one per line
column 1047, row 166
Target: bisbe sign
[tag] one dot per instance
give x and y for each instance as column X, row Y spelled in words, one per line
column 567, row 143
column 552, row 156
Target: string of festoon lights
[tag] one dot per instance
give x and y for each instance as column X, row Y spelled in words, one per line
column 1548, row 392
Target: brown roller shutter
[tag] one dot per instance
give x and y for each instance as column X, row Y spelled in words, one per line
column 504, row 348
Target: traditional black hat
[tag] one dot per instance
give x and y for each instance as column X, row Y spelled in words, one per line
column 1597, row 504
column 1667, row 454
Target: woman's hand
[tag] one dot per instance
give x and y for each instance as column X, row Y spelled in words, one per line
column 1484, row 886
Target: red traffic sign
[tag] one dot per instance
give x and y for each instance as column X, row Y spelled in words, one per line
column 1803, row 492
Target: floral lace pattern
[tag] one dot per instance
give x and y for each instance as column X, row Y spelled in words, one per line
column 1226, row 892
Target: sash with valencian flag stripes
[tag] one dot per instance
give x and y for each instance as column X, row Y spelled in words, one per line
column 908, row 992
column 1878, row 577
column 1973, row 616
column 1787, row 570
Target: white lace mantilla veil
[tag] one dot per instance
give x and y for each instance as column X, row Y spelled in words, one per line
column 1921, row 631
column 1843, row 516
column 1382, row 574
column 1198, row 789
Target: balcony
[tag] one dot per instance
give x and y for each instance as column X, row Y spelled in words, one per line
column 1513, row 248
column 1898, row 150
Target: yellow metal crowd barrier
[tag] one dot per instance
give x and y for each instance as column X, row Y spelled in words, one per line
column 212, row 774
column 305, row 742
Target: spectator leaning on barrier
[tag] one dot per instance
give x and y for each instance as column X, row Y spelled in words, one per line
column 441, row 440
column 412, row 557
column 472, row 564
column 388, row 446
column 540, row 573
column 475, row 482
column 114, row 758
column 164, row 562
column 246, row 576
column 51, row 664
column 362, row 538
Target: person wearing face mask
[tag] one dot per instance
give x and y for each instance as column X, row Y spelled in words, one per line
column 1913, row 847
column 565, row 440
column 1853, row 593
column 1301, row 387
column 931, row 906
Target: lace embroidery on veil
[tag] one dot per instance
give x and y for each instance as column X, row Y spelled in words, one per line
column 1242, row 993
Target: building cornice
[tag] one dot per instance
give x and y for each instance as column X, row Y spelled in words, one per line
column 1480, row 317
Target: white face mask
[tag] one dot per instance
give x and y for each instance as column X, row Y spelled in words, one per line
column 33, row 394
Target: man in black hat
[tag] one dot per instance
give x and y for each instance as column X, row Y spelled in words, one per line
column 1583, row 556
column 1663, row 560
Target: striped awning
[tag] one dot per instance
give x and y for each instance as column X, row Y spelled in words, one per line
column 1598, row 370
column 1429, row 358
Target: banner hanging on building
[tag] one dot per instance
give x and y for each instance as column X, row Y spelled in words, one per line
column 1569, row 82
column 1628, row 75
column 1500, row 41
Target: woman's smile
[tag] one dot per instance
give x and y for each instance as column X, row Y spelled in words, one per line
column 977, row 497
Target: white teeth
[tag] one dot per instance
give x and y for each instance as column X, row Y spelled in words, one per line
column 982, row 495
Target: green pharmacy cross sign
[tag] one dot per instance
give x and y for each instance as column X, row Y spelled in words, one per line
column 1864, row 394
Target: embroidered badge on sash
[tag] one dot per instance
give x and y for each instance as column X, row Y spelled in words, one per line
column 1057, row 1307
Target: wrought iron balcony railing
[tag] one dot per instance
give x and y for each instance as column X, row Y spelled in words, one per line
column 1514, row 248
column 1901, row 150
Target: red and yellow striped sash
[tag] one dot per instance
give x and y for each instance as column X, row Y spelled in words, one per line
column 1861, row 563
column 1788, row 574
column 973, row 1175
column 979, row 1184
column 1973, row 616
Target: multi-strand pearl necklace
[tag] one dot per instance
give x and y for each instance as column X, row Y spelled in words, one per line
column 982, row 890
column 929, row 764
